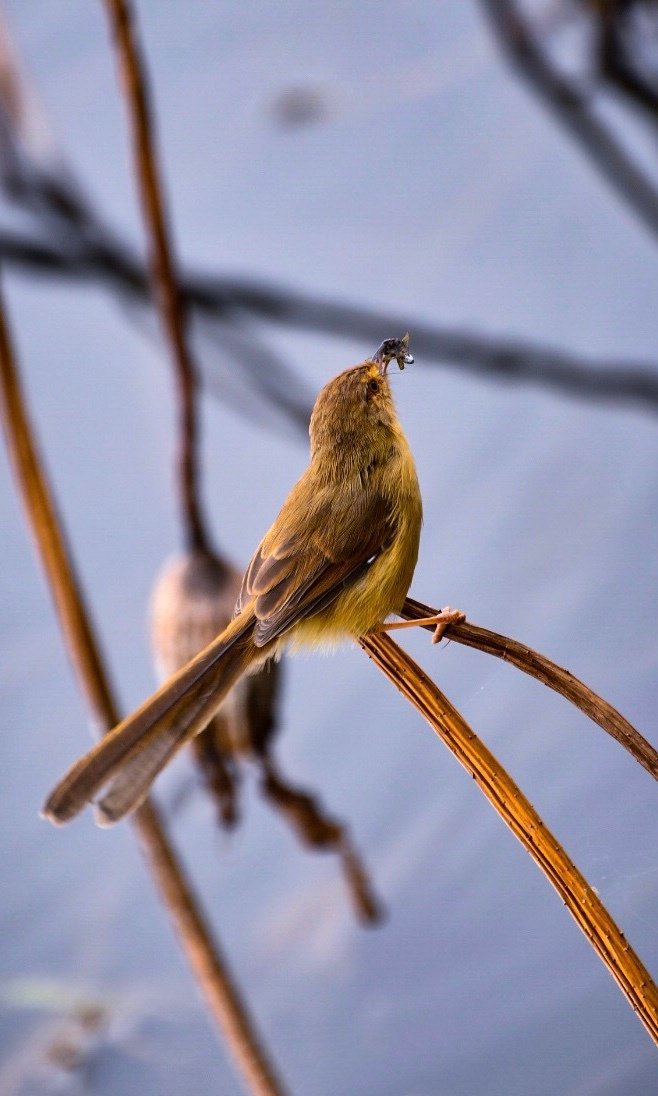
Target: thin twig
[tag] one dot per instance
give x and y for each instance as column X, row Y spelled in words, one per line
column 517, row 812
column 194, row 934
column 549, row 673
column 168, row 299
column 503, row 359
column 75, row 241
column 614, row 42
column 568, row 104
column 512, row 361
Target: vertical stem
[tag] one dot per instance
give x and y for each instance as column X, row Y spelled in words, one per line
column 206, row 960
column 41, row 513
column 194, row 934
column 164, row 283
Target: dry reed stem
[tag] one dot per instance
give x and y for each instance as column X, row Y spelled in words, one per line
column 166, row 293
column 227, row 1009
column 549, row 673
column 194, row 933
column 582, row 902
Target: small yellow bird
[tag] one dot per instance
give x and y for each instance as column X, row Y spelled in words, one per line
column 336, row 562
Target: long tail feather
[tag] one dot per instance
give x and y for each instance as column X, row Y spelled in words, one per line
column 180, row 709
column 131, row 782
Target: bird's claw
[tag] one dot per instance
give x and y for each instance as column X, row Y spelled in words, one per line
column 443, row 619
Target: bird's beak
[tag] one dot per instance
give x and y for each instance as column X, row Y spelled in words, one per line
column 390, row 349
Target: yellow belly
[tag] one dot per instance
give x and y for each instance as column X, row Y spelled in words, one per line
column 381, row 591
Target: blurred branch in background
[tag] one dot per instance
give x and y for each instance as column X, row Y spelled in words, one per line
column 508, row 360
column 202, row 951
column 67, row 232
column 513, row 361
column 626, row 43
column 318, row 830
column 66, row 237
column 517, row 812
column 610, row 49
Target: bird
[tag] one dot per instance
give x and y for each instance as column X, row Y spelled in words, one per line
column 335, row 564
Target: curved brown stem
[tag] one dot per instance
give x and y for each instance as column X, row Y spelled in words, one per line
column 549, row 673
column 202, row 951
column 517, row 812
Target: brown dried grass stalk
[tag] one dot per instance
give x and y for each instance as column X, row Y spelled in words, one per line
column 508, row 800
column 549, row 673
column 227, row 1009
column 202, row 951
column 164, row 282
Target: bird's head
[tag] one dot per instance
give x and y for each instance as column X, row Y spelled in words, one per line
column 355, row 409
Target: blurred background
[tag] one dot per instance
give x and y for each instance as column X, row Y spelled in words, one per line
column 483, row 175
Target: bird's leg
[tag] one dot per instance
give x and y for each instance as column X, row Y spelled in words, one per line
column 441, row 620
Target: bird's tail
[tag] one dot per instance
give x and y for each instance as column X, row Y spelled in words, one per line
column 128, row 758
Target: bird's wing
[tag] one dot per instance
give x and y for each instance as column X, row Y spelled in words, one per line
column 318, row 545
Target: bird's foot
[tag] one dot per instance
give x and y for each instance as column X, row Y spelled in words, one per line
column 442, row 620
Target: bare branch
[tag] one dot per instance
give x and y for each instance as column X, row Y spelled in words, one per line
column 513, row 361
column 549, row 673
column 572, row 109
column 168, row 300
column 202, row 951
column 517, row 812
column 616, row 42
column 319, row 830
column 509, row 360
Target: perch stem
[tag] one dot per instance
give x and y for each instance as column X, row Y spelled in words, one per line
column 517, row 812
column 549, row 673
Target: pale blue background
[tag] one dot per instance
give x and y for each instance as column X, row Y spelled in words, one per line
column 434, row 186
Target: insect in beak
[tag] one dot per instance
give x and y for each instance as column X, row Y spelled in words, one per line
column 390, row 349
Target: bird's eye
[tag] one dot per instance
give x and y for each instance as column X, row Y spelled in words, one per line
column 373, row 386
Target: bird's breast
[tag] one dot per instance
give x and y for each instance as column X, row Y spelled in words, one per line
column 381, row 590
